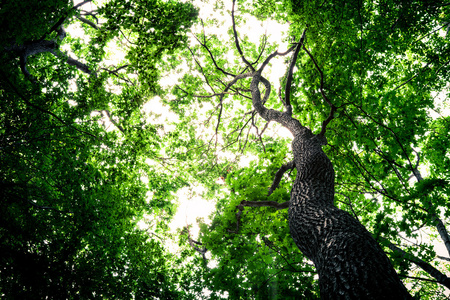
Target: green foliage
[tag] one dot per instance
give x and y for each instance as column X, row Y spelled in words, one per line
column 385, row 66
column 74, row 177
column 255, row 259
column 156, row 28
column 82, row 164
column 19, row 22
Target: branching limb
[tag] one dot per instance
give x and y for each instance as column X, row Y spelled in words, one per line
column 201, row 69
column 287, row 91
column 240, row 208
column 108, row 115
column 333, row 108
column 443, row 257
column 432, row 271
column 73, row 62
column 236, row 40
column 262, row 50
column 24, row 69
column 194, row 243
column 212, row 57
column 270, row 114
column 116, row 73
column 235, row 79
column 276, row 181
column 88, row 22
column 443, row 233
column 415, row 170
column 28, row 49
column 276, row 53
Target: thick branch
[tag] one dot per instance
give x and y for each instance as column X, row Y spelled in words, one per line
column 432, row 271
column 276, row 53
column 193, row 244
column 73, row 62
column 283, row 169
column 443, row 257
column 270, row 114
column 442, row 232
column 24, row 69
column 415, row 170
column 434, row 218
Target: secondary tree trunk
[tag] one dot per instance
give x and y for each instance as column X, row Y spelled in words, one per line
column 350, row 263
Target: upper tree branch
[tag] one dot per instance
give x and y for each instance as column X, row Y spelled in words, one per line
column 333, row 108
column 270, row 114
column 287, row 91
column 236, row 40
column 110, row 118
column 88, row 22
column 212, row 57
column 193, row 244
column 73, row 62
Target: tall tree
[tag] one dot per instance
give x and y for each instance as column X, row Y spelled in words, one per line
column 362, row 84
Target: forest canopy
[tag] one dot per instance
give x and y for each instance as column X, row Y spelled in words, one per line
column 87, row 159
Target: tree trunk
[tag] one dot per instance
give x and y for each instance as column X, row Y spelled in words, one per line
column 350, row 263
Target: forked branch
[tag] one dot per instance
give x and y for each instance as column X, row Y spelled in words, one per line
column 333, row 108
column 287, row 91
column 236, row 40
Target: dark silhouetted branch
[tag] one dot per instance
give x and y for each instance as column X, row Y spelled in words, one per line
column 287, row 91
column 283, row 169
column 432, row 271
column 236, row 40
column 333, row 108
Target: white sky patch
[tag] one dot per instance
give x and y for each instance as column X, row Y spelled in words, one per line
column 191, row 207
column 160, row 113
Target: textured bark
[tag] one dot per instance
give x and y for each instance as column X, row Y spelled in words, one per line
column 350, row 263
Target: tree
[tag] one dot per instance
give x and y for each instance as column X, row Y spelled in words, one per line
column 367, row 78
column 73, row 149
